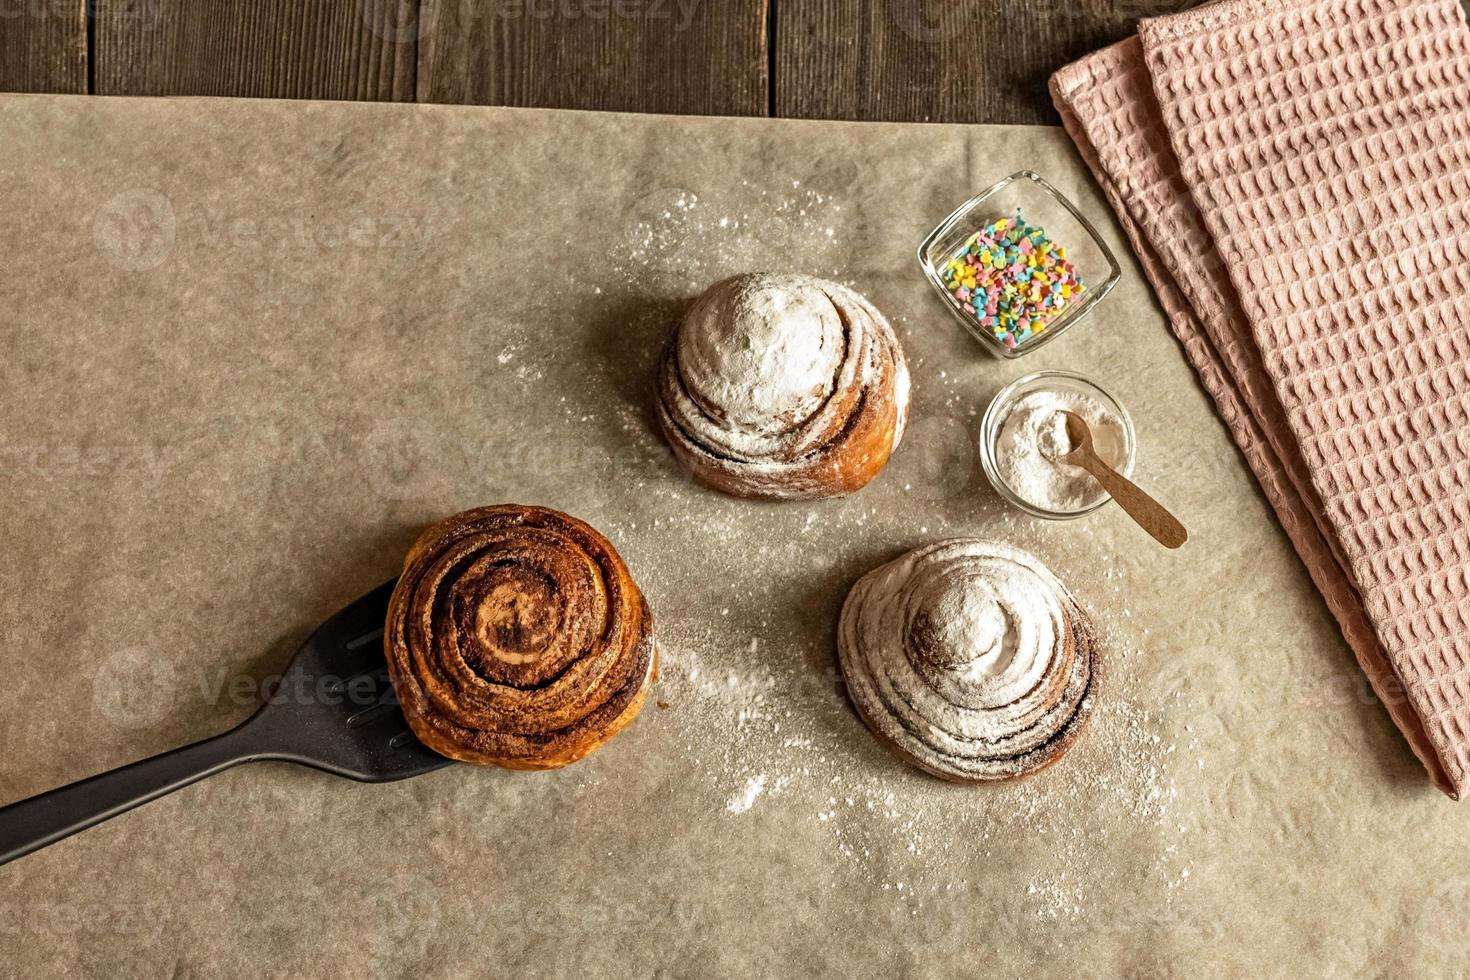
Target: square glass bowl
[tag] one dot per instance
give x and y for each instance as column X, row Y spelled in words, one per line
column 1043, row 206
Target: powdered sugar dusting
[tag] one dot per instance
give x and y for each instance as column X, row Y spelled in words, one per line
column 677, row 237
column 763, row 351
column 773, row 727
column 970, row 657
column 781, row 385
column 722, row 573
column 1033, row 437
column 745, row 799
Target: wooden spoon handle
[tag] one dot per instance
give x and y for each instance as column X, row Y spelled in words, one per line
column 1145, row 510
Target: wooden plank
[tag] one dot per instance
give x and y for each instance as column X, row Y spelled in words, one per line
column 308, row 49
column 941, row 60
column 683, row 56
column 43, row 45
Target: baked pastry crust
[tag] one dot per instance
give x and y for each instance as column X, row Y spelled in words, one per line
column 970, row 660
column 516, row 637
column 783, row 387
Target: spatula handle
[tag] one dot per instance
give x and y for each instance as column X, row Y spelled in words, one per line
column 40, row 820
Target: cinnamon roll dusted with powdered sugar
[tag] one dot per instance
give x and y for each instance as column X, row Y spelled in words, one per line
column 970, row 658
column 783, row 386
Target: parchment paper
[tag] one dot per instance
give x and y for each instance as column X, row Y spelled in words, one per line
column 250, row 348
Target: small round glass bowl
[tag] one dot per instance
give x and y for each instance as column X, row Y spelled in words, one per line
column 1000, row 407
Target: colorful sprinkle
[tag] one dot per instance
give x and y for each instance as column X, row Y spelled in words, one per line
column 1013, row 279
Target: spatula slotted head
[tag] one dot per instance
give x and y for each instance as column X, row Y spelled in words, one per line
column 335, row 708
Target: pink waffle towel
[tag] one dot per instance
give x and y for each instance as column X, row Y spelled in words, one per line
column 1295, row 179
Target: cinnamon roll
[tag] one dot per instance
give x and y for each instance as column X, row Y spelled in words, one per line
column 517, row 638
column 783, row 386
column 970, row 659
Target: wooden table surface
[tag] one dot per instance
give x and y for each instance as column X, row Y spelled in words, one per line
column 939, row 60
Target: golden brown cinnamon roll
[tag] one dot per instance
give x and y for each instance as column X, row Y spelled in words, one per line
column 517, row 638
column 970, row 659
column 783, row 386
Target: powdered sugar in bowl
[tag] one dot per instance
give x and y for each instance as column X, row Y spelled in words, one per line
column 1022, row 434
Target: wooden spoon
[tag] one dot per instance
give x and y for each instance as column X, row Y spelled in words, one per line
column 1145, row 510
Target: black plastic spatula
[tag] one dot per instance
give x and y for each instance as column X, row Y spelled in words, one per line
column 335, row 709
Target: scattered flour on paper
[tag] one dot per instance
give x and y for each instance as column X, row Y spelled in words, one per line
column 675, row 238
column 757, row 701
column 745, row 799
column 766, row 719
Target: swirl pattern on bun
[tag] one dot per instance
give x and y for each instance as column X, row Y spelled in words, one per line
column 783, row 386
column 516, row 637
column 970, row 659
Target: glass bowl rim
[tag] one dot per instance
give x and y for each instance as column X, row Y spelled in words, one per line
column 990, row 429
column 1089, row 302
